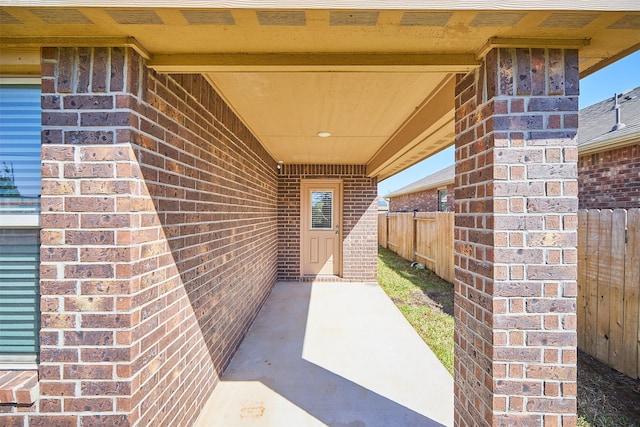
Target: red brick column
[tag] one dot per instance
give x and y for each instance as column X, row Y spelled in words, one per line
column 89, row 254
column 516, row 203
column 159, row 240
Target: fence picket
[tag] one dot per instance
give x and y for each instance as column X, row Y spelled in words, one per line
column 392, row 232
column 382, row 230
column 632, row 296
column 616, row 292
column 426, row 240
column 581, row 302
column 591, row 286
column 444, row 248
column 604, row 279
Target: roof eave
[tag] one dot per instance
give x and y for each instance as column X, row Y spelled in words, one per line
column 421, row 188
column 609, row 143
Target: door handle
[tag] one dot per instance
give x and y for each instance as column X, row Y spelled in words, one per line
column 337, row 229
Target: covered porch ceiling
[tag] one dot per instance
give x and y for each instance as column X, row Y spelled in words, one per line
column 380, row 80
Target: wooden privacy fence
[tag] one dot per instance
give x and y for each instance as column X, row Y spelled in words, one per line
column 608, row 300
column 425, row 237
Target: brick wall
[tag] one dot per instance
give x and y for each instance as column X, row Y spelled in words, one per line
column 515, row 237
column 610, row 179
column 159, row 241
column 422, row 201
column 360, row 241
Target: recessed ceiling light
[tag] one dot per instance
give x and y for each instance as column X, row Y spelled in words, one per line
column 324, row 134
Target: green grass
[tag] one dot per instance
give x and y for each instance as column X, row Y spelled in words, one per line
column 427, row 303
column 424, row 299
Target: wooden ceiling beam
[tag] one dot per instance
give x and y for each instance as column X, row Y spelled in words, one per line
column 85, row 41
column 588, row 5
column 302, row 62
column 434, row 116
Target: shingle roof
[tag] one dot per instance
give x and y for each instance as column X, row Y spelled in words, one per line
column 442, row 177
column 596, row 125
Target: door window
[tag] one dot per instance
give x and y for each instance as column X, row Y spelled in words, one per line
column 321, row 210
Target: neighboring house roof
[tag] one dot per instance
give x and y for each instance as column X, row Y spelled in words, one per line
column 597, row 128
column 438, row 179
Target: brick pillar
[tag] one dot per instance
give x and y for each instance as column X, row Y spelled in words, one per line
column 91, row 237
column 515, row 231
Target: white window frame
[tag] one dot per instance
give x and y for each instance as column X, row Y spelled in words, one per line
column 22, row 221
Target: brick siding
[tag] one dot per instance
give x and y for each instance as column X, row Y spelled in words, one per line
column 360, row 241
column 159, row 241
column 610, row 179
column 422, row 201
column 515, row 237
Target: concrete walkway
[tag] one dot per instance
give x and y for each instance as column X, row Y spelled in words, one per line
column 331, row 354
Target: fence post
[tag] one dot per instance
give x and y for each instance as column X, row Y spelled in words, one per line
column 414, row 237
column 386, row 242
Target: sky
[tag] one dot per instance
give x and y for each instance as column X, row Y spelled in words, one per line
column 618, row 77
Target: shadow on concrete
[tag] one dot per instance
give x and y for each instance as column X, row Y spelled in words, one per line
column 307, row 364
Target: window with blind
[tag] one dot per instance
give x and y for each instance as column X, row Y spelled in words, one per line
column 20, row 117
column 20, row 127
column 19, row 305
column 442, row 200
column 321, row 210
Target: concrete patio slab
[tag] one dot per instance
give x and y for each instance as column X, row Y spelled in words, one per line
column 331, row 354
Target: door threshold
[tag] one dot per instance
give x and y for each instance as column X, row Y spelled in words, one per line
column 321, row 278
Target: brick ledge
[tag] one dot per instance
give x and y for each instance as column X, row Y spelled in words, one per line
column 19, row 387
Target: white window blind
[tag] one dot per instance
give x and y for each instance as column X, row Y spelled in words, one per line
column 321, row 210
column 20, row 183
column 20, row 301
column 20, row 118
